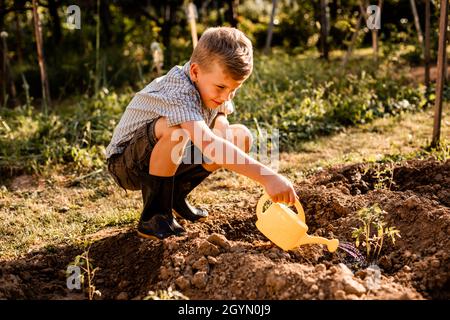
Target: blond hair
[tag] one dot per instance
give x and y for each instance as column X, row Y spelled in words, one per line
column 229, row 46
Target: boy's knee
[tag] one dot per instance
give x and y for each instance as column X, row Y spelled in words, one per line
column 173, row 133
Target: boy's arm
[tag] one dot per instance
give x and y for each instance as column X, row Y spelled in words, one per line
column 220, row 121
column 220, row 150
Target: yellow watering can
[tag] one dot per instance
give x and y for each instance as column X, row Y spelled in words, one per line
column 285, row 228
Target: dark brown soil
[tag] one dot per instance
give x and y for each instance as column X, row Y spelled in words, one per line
column 226, row 257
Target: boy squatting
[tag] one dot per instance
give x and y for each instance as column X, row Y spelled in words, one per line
column 195, row 100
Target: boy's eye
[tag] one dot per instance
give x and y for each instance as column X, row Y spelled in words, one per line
column 221, row 87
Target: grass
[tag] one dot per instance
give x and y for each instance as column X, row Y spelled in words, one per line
column 405, row 134
column 300, row 96
column 45, row 210
column 46, row 213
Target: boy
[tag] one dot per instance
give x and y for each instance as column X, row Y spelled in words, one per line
column 187, row 103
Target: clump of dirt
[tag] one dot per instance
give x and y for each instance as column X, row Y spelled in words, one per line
column 226, row 257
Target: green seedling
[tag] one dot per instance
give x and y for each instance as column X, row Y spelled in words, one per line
column 88, row 273
column 373, row 231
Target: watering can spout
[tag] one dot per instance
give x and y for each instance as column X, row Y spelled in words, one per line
column 332, row 245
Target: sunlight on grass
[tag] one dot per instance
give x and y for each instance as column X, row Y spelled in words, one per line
column 31, row 221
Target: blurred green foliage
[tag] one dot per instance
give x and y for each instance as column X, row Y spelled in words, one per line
column 300, row 96
column 128, row 27
column 304, row 98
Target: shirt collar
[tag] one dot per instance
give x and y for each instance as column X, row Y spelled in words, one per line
column 186, row 69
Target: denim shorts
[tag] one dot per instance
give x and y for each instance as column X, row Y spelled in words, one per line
column 128, row 167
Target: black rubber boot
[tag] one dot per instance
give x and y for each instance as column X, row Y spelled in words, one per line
column 185, row 182
column 157, row 221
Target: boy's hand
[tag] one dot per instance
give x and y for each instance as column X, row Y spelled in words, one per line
column 280, row 189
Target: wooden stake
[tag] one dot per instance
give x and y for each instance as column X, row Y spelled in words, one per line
column 427, row 44
column 443, row 22
column 363, row 6
column 324, row 28
column 192, row 23
column 40, row 51
column 270, row 30
column 417, row 24
column 97, row 52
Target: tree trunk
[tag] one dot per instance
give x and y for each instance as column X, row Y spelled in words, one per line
column 56, row 21
column 270, row 29
column 353, row 41
column 2, row 55
column 40, row 51
column 324, row 29
column 363, row 6
column 19, row 46
column 105, row 19
column 166, row 31
column 232, row 12
column 417, row 24
column 219, row 14
column 9, row 81
column 427, row 44
column 203, row 12
column 442, row 52
column 97, row 50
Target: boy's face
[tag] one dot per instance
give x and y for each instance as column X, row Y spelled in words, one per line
column 215, row 85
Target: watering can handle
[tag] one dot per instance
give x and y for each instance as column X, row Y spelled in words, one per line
column 266, row 197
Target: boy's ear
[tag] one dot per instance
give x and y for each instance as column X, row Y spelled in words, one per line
column 194, row 70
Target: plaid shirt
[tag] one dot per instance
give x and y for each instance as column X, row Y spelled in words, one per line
column 173, row 96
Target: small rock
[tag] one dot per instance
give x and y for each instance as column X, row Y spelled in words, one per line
column 309, row 281
column 286, row 255
column 182, row 282
column 407, row 254
column 171, row 244
column 275, row 281
column 333, row 269
column 122, row 296
column 406, row 269
column 321, row 295
column 164, row 273
column 435, row 263
column 272, row 255
column 339, row 294
column 307, row 296
column 351, row 286
column 26, row 276
column 200, row 279
column 178, row 261
column 201, row 264
column 345, row 270
column 188, row 271
column 314, row 288
column 123, row 284
column 320, row 267
column 193, row 234
column 63, row 209
column 412, row 202
column 212, row 260
column 220, row 241
column 206, row 248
